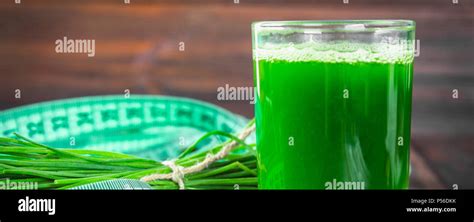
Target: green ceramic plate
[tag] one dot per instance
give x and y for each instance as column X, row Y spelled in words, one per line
column 154, row 127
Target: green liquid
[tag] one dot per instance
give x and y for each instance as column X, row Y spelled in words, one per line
column 326, row 125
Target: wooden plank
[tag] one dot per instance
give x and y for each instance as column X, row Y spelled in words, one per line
column 422, row 176
column 449, row 157
column 426, row 3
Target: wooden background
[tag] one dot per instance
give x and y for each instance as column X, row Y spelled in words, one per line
column 137, row 49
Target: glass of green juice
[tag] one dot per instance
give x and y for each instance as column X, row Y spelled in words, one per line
column 333, row 103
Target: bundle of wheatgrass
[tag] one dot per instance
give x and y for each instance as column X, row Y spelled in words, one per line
column 229, row 165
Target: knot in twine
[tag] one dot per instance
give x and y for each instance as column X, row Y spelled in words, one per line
column 178, row 172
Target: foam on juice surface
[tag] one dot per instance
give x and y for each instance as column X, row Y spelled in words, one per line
column 337, row 52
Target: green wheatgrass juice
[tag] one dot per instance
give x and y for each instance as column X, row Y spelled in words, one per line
column 326, row 118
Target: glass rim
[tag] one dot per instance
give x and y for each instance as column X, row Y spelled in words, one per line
column 337, row 25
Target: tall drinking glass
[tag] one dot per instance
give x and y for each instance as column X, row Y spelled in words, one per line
column 333, row 103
